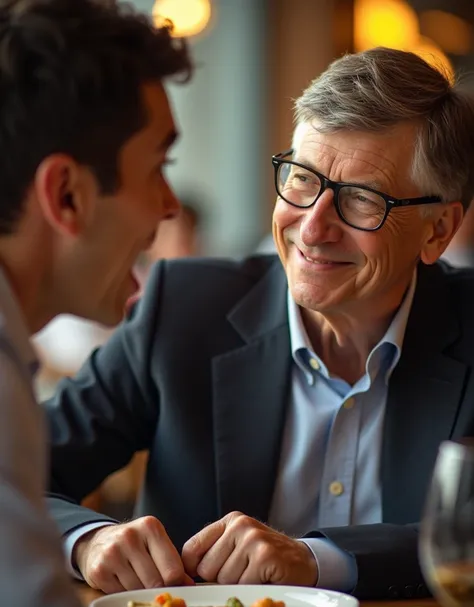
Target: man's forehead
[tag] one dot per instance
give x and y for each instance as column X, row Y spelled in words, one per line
column 388, row 150
column 348, row 142
column 160, row 129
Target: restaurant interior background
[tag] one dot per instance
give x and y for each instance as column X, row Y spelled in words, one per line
column 253, row 58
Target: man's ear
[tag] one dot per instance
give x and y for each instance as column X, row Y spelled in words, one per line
column 444, row 223
column 61, row 192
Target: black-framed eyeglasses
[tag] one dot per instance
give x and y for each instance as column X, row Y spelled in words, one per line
column 360, row 207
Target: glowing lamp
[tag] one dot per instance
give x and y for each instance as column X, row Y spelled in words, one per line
column 189, row 17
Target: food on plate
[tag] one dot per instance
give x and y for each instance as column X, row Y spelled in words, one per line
column 165, row 599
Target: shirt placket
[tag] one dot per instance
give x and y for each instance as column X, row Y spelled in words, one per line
column 340, row 463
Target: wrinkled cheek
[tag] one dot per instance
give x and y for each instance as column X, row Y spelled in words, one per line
column 285, row 219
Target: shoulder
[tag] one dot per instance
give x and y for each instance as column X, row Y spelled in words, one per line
column 208, row 279
column 445, row 296
column 242, row 269
column 191, row 295
column 458, row 281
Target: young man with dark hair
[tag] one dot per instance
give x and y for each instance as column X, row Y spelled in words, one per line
column 85, row 129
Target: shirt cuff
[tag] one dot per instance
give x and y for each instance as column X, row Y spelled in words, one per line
column 337, row 568
column 69, row 541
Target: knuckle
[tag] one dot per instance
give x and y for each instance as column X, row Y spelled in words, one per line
column 241, row 521
column 127, row 534
column 110, row 553
column 173, row 576
column 264, row 552
column 231, row 518
column 255, row 535
column 187, row 552
column 224, row 578
column 191, row 547
column 204, row 571
column 155, row 582
column 150, row 524
column 234, row 514
column 97, row 572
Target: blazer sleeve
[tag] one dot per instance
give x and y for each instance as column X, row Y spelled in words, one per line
column 99, row 419
column 386, row 557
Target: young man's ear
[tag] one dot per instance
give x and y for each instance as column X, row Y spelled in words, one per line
column 446, row 221
column 59, row 189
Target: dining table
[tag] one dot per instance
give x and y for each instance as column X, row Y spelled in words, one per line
column 87, row 595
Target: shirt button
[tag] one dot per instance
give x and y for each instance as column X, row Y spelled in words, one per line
column 314, row 364
column 336, row 488
column 350, row 402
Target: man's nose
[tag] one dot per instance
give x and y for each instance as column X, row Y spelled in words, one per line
column 321, row 222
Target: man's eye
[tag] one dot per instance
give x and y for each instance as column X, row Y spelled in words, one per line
column 304, row 178
column 363, row 198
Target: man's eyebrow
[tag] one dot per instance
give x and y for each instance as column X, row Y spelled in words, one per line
column 364, row 183
column 306, row 163
column 168, row 141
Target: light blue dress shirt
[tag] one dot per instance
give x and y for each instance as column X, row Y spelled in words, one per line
column 329, row 472
column 31, row 561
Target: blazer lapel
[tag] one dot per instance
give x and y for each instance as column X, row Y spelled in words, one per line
column 251, row 389
column 424, row 396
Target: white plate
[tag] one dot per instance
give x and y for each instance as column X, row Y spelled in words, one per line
column 216, row 596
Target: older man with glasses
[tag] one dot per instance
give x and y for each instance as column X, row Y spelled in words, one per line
column 296, row 402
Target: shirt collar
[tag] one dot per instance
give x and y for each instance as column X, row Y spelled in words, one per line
column 13, row 324
column 395, row 334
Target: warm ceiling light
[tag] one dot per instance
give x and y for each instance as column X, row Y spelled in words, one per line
column 391, row 23
column 189, row 17
column 432, row 54
column 453, row 34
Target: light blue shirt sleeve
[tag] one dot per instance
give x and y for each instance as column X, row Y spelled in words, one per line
column 337, row 568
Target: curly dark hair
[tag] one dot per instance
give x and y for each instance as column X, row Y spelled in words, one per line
column 71, row 77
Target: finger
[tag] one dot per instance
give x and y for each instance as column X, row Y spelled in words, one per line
column 252, row 575
column 215, row 558
column 188, row 581
column 166, row 558
column 145, row 568
column 196, row 547
column 109, row 585
column 128, row 577
column 100, row 574
column 234, row 567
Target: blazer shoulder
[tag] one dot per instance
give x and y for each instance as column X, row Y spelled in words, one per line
column 457, row 286
column 203, row 279
column 460, row 283
column 251, row 267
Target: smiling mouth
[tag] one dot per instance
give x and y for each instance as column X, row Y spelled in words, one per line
column 322, row 262
column 319, row 262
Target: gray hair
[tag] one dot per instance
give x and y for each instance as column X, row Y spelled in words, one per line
column 376, row 89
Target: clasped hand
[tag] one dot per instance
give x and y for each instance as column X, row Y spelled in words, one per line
column 237, row 549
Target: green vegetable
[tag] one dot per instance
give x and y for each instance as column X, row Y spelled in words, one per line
column 233, row 602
